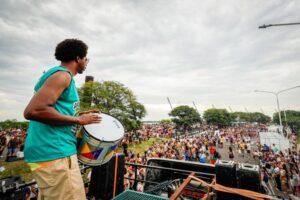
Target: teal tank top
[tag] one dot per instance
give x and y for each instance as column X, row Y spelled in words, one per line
column 47, row 142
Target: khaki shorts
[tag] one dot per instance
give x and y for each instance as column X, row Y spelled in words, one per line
column 60, row 181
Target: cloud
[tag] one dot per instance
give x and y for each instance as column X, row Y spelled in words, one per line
column 209, row 52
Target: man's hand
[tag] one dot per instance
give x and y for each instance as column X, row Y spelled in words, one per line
column 89, row 111
column 89, row 118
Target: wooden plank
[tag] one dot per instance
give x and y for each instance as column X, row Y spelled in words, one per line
column 183, row 185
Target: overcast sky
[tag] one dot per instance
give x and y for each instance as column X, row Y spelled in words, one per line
column 208, row 52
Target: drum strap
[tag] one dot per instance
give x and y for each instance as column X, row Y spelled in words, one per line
column 115, row 177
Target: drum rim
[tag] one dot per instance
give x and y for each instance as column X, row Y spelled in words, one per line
column 100, row 122
column 93, row 164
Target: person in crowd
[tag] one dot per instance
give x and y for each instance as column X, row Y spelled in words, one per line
column 231, row 154
column 125, row 147
column 11, row 146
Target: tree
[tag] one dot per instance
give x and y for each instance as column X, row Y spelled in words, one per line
column 251, row 117
column 292, row 119
column 218, row 117
column 241, row 116
column 259, row 118
column 114, row 99
column 86, row 94
column 165, row 121
column 13, row 123
column 184, row 117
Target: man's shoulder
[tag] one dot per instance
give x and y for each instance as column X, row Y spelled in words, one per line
column 62, row 74
column 59, row 78
column 56, row 73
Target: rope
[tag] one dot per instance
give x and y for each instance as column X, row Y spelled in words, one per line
column 115, row 177
column 221, row 188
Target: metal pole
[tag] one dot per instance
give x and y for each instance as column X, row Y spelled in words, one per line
column 285, row 118
column 286, row 24
column 248, row 114
column 196, row 107
column 170, row 103
column 280, row 122
column 277, row 100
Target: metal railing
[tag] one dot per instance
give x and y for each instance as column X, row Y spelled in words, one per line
column 202, row 175
column 207, row 176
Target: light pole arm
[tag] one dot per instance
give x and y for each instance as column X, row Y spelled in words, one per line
column 286, row 24
column 265, row 92
column 288, row 89
column 277, row 101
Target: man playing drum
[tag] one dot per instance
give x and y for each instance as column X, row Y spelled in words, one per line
column 50, row 148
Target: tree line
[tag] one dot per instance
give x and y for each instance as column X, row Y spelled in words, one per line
column 13, row 123
column 185, row 116
column 119, row 101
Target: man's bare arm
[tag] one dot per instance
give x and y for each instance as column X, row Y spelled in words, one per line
column 41, row 106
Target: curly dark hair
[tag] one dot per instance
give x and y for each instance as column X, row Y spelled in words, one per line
column 70, row 49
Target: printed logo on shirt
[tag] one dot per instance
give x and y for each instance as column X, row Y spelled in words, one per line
column 76, row 106
column 74, row 129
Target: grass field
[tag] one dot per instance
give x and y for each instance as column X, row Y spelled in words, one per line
column 19, row 168
column 140, row 148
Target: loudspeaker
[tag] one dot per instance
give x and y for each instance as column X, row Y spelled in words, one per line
column 17, row 195
column 161, row 175
column 102, row 179
column 248, row 177
column 226, row 176
column 11, row 158
column 7, row 189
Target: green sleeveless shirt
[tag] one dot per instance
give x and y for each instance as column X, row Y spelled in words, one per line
column 47, row 142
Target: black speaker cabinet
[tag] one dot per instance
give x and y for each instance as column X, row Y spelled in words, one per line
column 102, row 179
column 160, row 175
column 11, row 158
column 226, row 176
column 248, row 177
column 7, row 189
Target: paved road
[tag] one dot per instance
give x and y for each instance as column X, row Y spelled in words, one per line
column 237, row 157
column 3, row 157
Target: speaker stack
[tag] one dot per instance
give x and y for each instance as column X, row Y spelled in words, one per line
column 248, row 177
column 102, row 179
column 7, row 188
column 226, row 176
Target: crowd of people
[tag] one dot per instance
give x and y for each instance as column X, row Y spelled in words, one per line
column 283, row 166
column 11, row 141
column 203, row 146
column 12, row 145
column 241, row 141
column 199, row 147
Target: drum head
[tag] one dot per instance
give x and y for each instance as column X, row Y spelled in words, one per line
column 109, row 129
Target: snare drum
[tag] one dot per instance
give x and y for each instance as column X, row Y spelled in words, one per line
column 96, row 142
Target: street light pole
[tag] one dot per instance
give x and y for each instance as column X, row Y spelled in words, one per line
column 277, row 99
column 284, row 112
column 285, row 118
column 286, row 24
column 170, row 103
column 280, row 122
